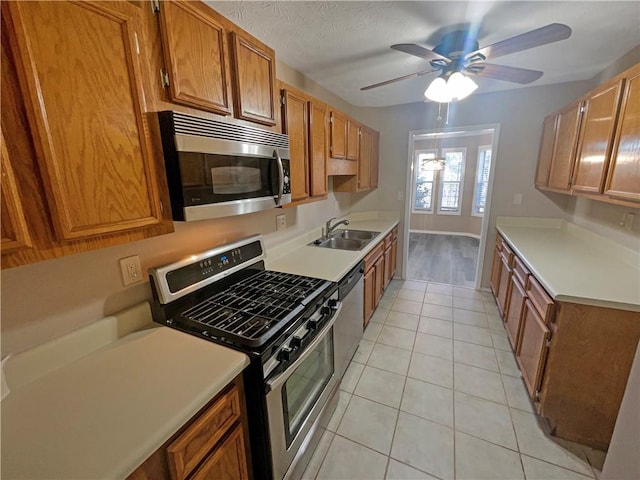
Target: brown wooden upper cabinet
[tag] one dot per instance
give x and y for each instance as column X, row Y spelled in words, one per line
column 353, row 140
column 304, row 119
column 596, row 137
column 15, row 232
column 545, row 155
column 623, row 180
column 318, row 140
column 295, row 123
column 564, row 148
column 338, row 138
column 366, row 177
column 254, row 80
column 81, row 131
column 194, row 44
column 592, row 147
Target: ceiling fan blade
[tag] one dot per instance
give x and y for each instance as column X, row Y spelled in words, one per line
column 418, row 51
column 535, row 38
column 503, row 72
column 393, row 80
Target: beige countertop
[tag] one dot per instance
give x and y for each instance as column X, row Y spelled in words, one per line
column 575, row 265
column 101, row 413
column 297, row 257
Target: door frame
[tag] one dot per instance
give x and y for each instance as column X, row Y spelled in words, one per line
column 409, row 191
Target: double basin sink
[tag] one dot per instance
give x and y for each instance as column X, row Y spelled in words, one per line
column 346, row 239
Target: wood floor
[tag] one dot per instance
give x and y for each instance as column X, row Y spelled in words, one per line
column 449, row 259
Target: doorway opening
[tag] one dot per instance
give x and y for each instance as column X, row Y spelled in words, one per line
column 449, row 184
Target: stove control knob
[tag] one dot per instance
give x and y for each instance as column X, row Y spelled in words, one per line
column 313, row 324
column 295, row 343
column 333, row 303
column 284, row 354
column 325, row 311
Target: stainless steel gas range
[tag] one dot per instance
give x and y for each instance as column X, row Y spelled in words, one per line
column 283, row 322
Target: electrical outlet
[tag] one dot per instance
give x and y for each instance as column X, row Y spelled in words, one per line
column 517, row 199
column 628, row 221
column 131, row 270
column 281, row 222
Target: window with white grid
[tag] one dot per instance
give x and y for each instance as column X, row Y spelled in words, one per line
column 452, row 178
column 482, row 181
column 424, row 179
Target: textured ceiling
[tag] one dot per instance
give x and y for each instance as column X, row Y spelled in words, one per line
column 344, row 46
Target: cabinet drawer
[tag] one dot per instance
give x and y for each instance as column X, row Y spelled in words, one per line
column 540, row 299
column 394, row 232
column 372, row 257
column 499, row 242
column 387, row 241
column 188, row 450
column 228, row 462
column 521, row 271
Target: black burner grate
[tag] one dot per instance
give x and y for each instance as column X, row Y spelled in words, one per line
column 252, row 307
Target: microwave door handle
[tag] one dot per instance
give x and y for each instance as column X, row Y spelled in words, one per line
column 280, row 177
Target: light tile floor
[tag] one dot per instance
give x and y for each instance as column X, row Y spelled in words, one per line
column 434, row 392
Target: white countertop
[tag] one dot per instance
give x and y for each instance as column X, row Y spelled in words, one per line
column 104, row 413
column 575, row 265
column 297, row 257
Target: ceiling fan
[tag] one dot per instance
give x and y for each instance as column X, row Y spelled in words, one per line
column 458, row 53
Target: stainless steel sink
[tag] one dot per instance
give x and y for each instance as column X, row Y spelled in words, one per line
column 346, row 240
column 356, row 234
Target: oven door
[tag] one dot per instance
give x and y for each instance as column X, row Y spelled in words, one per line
column 298, row 396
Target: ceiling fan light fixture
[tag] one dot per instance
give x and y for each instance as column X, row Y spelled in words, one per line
column 456, row 87
column 438, row 91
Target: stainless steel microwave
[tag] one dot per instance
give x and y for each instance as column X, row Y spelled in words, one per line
column 220, row 169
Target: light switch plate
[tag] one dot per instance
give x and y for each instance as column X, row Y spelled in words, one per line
column 131, row 270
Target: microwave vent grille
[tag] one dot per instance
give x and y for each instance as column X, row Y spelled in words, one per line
column 204, row 127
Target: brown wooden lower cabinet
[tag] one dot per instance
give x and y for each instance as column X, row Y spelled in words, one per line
column 379, row 269
column 575, row 359
column 532, row 348
column 212, row 445
column 505, row 278
column 515, row 310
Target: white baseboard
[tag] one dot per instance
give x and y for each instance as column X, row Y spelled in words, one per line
column 440, row 232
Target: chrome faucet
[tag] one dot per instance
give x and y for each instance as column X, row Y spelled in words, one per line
column 328, row 228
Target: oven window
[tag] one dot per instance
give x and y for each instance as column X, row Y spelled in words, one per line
column 302, row 390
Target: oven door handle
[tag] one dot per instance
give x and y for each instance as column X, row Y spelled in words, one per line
column 276, row 382
column 280, row 177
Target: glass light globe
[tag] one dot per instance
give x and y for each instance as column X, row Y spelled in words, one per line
column 438, row 91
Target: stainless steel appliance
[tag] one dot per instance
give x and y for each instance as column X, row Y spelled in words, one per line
column 283, row 322
column 349, row 327
column 218, row 169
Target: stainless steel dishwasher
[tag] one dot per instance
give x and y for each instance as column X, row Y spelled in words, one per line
column 348, row 328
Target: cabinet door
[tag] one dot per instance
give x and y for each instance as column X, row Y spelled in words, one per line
column 227, row 462
column 364, row 162
column 623, row 180
column 295, row 123
column 516, row 305
column 394, row 262
column 379, row 266
column 89, row 130
column 195, row 53
column 15, row 232
column 375, row 158
column 495, row 272
column 369, row 294
column 254, row 80
column 545, row 155
column 503, row 289
column 338, row 139
column 564, row 149
column 387, row 266
column 318, row 123
column 596, row 138
column 353, row 140
column 532, row 351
